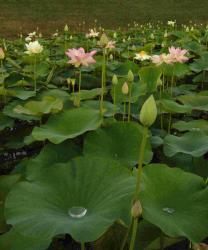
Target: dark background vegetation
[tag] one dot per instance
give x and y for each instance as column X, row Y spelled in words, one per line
column 25, row 15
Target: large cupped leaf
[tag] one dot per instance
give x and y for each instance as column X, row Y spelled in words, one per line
column 194, row 143
column 83, row 198
column 13, row 240
column 50, row 155
column 68, row 124
column 119, row 141
column 175, row 201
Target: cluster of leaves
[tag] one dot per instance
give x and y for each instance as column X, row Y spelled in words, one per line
column 57, row 155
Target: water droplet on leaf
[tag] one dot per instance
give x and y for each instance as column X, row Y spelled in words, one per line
column 77, row 212
column 168, row 210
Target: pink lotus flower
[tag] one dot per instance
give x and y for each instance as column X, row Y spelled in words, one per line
column 178, row 54
column 163, row 58
column 79, row 57
column 110, row 45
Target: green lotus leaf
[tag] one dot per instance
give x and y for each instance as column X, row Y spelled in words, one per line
column 119, row 141
column 171, row 106
column 23, row 94
column 49, row 155
column 175, row 201
column 68, row 124
column 194, row 143
column 5, row 122
column 196, row 101
column 13, row 240
column 83, row 198
column 124, row 68
column 86, row 94
column 150, row 76
column 194, row 125
column 48, row 105
column 9, row 111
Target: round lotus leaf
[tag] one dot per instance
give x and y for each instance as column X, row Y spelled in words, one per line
column 170, row 106
column 83, row 198
column 194, row 143
column 119, row 141
column 13, row 240
column 68, row 124
column 175, row 201
column 196, row 101
column 194, row 125
column 50, row 155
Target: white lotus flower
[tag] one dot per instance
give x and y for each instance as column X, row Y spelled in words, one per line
column 34, row 48
column 92, row 34
column 142, row 56
column 28, row 39
column 171, row 23
column 32, row 34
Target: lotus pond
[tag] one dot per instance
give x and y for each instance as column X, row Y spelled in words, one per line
column 104, row 139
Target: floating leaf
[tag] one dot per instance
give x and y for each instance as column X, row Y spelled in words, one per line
column 83, row 198
column 171, row 106
column 193, row 143
column 119, row 141
column 48, row 105
column 175, row 201
column 194, row 125
column 16, row 241
column 196, row 101
column 5, row 122
column 68, row 124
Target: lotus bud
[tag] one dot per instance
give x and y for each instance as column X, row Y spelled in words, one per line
column 71, row 37
column 103, row 40
column 125, row 88
column 130, row 76
column 148, row 113
column 115, row 35
column 2, row 55
column 73, row 82
column 200, row 246
column 111, row 57
column 66, row 28
column 136, row 210
column 68, row 80
column 115, row 80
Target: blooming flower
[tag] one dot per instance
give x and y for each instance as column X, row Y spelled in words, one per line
column 2, row 55
column 34, row 48
column 171, row 23
column 110, row 45
column 178, row 54
column 142, row 56
column 92, row 34
column 163, row 58
column 79, row 57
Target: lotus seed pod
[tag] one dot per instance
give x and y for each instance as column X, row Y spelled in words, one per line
column 125, row 88
column 115, row 80
column 136, row 210
column 148, row 113
column 130, row 76
column 2, row 55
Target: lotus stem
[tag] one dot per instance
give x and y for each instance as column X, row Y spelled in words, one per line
column 82, row 246
column 129, row 105
column 79, row 90
column 35, row 69
column 103, row 81
column 138, row 184
column 124, row 112
column 114, row 100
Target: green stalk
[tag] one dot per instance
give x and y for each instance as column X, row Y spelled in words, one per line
column 35, row 69
column 126, row 236
column 129, row 107
column 80, row 81
column 138, row 183
column 114, row 100
column 82, row 246
column 124, row 114
column 103, row 82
